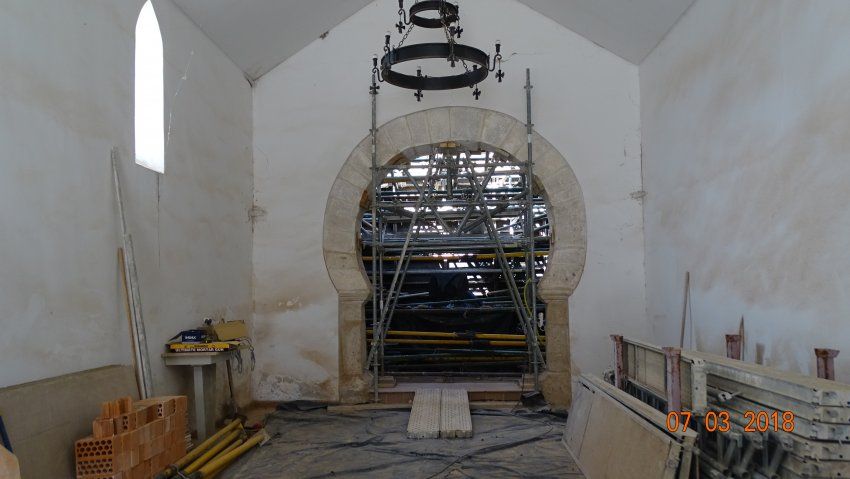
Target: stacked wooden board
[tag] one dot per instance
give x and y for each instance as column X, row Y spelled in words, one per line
column 814, row 445
column 613, row 435
column 772, row 423
column 133, row 440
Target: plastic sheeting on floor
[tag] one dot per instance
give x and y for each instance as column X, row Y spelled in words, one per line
column 373, row 444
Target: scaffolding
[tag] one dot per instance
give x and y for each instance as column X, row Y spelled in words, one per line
column 454, row 234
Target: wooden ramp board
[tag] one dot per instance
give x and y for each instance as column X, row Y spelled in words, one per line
column 440, row 413
column 424, row 422
column 577, row 421
column 610, row 441
column 9, row 468
column 455, row 419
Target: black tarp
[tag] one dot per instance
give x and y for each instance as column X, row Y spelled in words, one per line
column 316, row 443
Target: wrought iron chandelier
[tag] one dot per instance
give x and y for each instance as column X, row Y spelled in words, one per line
column 448, row 19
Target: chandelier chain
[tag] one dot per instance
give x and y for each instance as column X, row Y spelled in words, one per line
column 450, row 38
column 406, row 34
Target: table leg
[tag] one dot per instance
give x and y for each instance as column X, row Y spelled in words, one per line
column 200, row 413
column 234, row 410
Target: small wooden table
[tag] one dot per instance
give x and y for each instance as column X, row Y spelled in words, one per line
column 198, row 361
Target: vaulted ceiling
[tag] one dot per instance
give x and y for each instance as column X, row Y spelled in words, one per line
column 260, row 34
column 628, row 28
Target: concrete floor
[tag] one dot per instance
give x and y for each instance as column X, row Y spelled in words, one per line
column 373, row 443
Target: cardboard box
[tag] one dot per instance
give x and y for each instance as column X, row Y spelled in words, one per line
column 230, row 330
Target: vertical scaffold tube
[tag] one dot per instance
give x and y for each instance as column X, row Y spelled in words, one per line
column 531, row 275
column 375, row 186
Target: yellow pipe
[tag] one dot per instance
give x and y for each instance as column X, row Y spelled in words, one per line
column 225, row 460
column 454, row 342
column 212, row 452
column 459, row 257
column 474, row 359
column 231, row 447
column 436, row 334
column 197, row 451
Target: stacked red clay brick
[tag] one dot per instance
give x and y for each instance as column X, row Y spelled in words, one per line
column 133, row 440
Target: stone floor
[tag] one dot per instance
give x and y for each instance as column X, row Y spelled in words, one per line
column 372, row 443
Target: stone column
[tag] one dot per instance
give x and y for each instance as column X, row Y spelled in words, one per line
column 556, row 381
column 354, row 381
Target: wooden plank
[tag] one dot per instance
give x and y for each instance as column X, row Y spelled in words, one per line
column 686, row 439
column 424, row 422
column 9, row 468
column 654, row 416
column 455, row 419
column 577, row 420
column 616, row 442
column 618, row 445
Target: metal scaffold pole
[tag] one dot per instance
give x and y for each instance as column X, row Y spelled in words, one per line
column 531, row 277
column 455, row 244
column 377, row 294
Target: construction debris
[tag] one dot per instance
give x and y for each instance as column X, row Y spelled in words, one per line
column 133, row 440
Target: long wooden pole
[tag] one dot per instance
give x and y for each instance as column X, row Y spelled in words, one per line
column 743, row 339
column 129, row 313
column 685, row 309
column 133, row 283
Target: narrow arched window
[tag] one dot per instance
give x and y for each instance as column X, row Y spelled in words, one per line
column 149, row 94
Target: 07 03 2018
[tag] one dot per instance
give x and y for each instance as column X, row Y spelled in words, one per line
column 754, row 421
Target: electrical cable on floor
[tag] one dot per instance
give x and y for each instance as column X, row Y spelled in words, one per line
column 372, row 443
column 500, row 447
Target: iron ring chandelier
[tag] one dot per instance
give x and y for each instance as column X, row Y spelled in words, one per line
column 451, row 51
column 449, row 13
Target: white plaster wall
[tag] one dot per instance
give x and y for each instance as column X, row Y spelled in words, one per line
column 66, row 72
column 745, row 142
column 311, row 111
